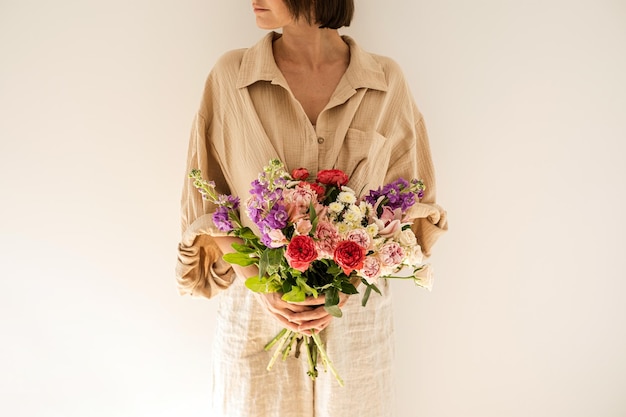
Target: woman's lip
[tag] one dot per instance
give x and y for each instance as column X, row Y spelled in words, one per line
column 259, row 9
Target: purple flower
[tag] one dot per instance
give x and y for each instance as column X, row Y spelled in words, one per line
column 254, row 212
column 277, row 217
column 257, row 189
column 398, row 194
column 266, row 240
column 221, row 219
column 275, row 195
column 407, row 201
column 280, row 182
column 372, row 197
column 228, row 201
column 233, row 202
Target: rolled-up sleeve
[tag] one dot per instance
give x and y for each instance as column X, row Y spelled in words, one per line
column 200, row 269
column 412, row 159
column 431, row 219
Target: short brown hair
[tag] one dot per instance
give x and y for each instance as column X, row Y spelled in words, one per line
column 331, row 14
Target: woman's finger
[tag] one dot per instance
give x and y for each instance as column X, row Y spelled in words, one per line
column 318, row 325
column 309, row 315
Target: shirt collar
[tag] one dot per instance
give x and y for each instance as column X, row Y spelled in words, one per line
column 258, row 65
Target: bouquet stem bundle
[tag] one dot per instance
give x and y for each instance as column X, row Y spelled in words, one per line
column 285, row 341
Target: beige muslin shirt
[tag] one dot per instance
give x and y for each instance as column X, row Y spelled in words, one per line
column 372, row 130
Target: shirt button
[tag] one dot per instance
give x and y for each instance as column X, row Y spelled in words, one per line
column 320, row 140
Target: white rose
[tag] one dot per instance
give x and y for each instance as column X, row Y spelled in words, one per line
column 424, row 277
column 415, row 255
column 407, row 238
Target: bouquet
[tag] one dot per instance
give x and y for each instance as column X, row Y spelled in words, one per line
column 317, row 237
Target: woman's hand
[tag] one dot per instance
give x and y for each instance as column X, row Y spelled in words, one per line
column 303, row 317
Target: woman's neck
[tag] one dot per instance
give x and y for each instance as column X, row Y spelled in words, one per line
column 309, row 46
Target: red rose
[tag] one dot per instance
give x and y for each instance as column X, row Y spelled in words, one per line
column 301, row 252
column 300, row 174
column 349, row 256
column 332, row 177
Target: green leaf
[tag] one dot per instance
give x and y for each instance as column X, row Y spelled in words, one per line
column 296, row 295
column 348, row 288
column 375, row 288
column 275, row 256
column 334, row 270
column 263, row 262
column 241, row 259
column 242, row 248
column 366, row 296
column 331, row 193
column 307, row 289
column 313, row 217
column 334, row 310
column 368, row 291
column 247, row 233
column 273, row 283
column 332, row 297
column 257, row 284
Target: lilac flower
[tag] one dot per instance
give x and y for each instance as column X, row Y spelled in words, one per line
column 398, row 194
column 221, row 219
column 266, row 239
column 254, row 212
column 408, row 201
column 228, row 201
column 419, row 186
column 258, row 189
column 277, row 217
column 372, row 197
column 275, row 195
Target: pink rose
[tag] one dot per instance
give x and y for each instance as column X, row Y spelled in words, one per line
column 298, row 200
column 361, row 237
column 301, row 252
column 371, row 269
column 349, row 256
column 326, row 236
column 300, row 174
column 332, row 177
column 391, row 254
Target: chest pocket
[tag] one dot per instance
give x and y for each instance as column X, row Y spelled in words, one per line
column 365, row 157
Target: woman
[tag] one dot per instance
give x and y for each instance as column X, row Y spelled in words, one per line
column 313, row 99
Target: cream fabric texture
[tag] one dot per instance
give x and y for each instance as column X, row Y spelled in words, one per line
column 372, row 130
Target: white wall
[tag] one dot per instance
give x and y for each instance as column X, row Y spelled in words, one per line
column 524, row 102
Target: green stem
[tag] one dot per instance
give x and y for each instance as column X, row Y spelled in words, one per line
column 298, row 344
column 275, row 339
column 322, row 351
column 278, row 349
column 312, row 371
column 287, row 348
